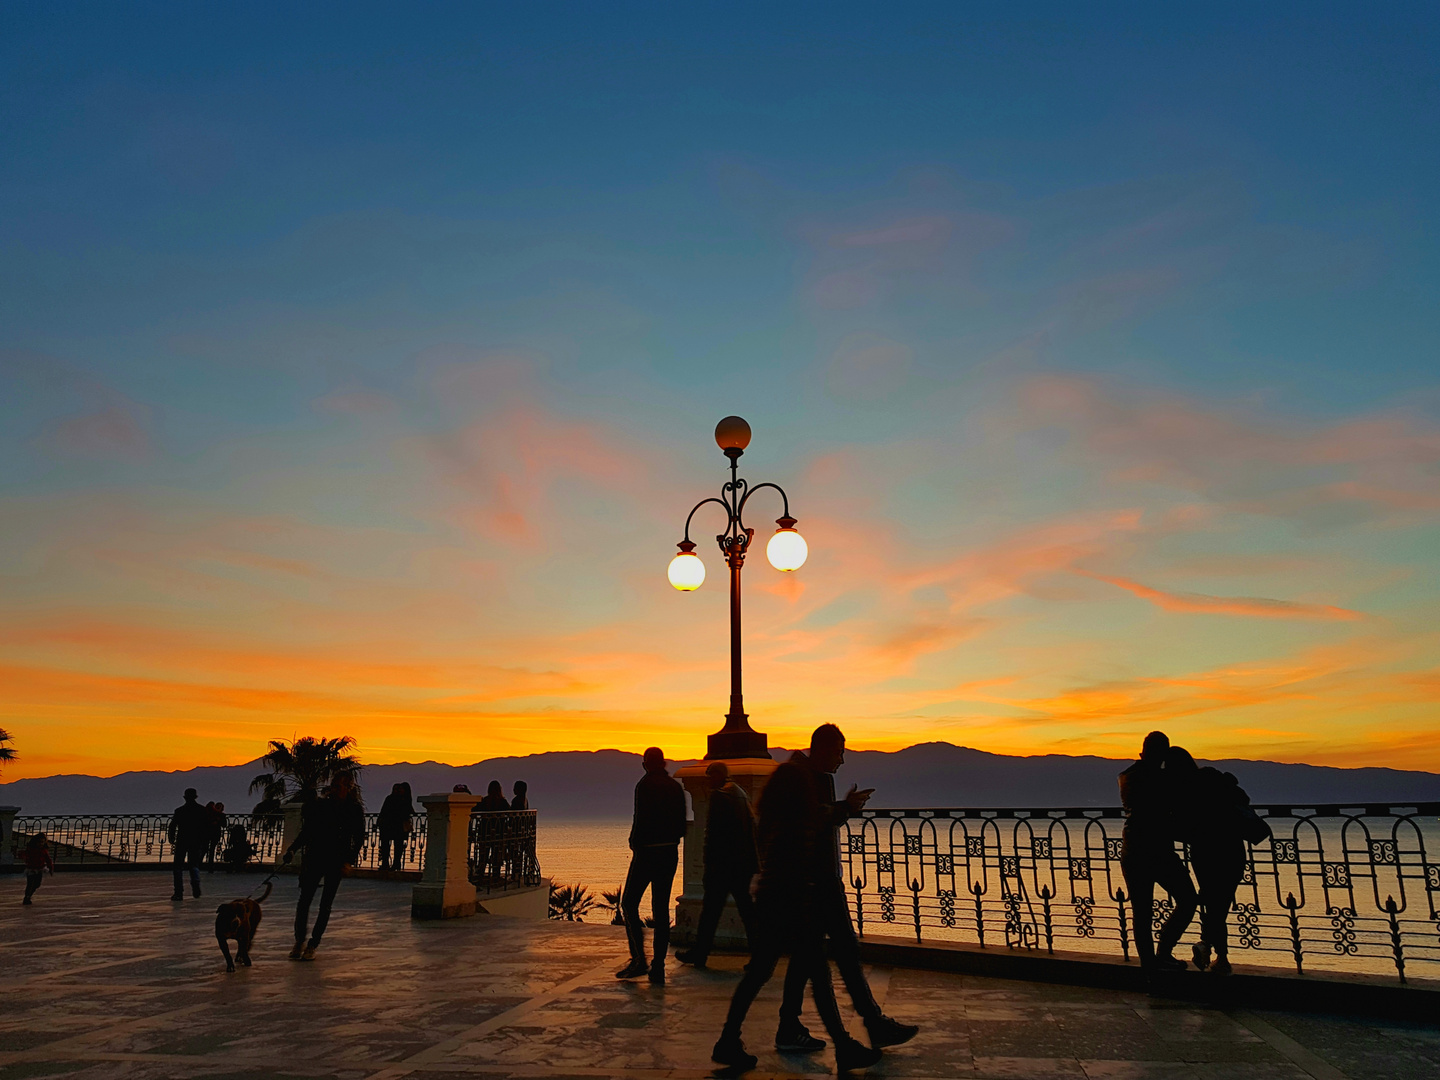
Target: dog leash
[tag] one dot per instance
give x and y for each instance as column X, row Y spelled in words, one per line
column 261, row 886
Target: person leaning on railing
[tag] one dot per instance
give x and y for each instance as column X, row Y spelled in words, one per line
column 397, row 815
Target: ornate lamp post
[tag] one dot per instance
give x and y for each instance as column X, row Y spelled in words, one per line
column 786, row 551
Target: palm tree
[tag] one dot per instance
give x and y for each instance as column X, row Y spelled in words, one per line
column 612, row 901
column 570, row 902
column 7, row 753
column 300, row 768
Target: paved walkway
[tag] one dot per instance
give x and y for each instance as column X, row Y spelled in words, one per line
column 104, row 977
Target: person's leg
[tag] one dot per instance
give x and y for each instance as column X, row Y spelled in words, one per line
column 193, row 857
column 32, row 882
column 1172, row 875
column 1230, row 868
column 744, row 906
column 711, row 908
column 1140, row 883
column 327, row 901
column 763, row 958
column 845, row 948
column 385, row 845
column 662, row 879
column 630, row 896
column 309, row 882
column 177, row 865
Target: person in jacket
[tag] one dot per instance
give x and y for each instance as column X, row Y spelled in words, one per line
column 521, row 801
column 189, row 835
column 494, row 798
column 38, row 862
column 332, row 828
column 397, row 816
column 656, row 830
column 800, row 902
column 1213, row 812
column 1148, row 857
column 730, row 862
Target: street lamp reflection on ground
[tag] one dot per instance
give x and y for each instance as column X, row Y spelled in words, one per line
column 786, row 551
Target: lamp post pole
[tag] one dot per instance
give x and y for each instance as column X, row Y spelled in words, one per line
column 787, row 551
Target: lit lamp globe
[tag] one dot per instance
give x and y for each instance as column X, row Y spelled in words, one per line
column 787, row 549
column 687, row 572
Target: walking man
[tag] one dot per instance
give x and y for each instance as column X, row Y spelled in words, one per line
column 655, row 835
column 38, row 862
column 189, row 837
column 799, row 903
column 332, row 829
column 1148, row 857
column 730, row 862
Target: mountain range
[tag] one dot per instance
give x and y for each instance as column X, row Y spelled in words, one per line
column 579, row 784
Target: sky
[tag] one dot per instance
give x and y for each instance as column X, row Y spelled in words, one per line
column 359, row 366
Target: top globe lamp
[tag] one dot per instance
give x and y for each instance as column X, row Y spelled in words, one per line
column 787, row 549
column 687, row 572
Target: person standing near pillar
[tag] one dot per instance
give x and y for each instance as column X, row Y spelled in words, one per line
column 655, row 834
column 730, row 862
column 1148, row 857
column 189, row 835
column 332, row 829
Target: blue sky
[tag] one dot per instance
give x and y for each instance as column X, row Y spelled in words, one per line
column 351, row 285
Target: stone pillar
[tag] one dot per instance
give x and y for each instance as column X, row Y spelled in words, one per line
column 751, row 775
column 445, row 890
column 7, row 834
column 294, row 811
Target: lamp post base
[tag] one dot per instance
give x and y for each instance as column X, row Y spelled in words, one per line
column 725, row 745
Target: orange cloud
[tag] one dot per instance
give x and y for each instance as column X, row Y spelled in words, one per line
column 1243, row 606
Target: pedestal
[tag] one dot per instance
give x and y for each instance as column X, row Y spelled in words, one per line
column 444, row 890
column 7, row 834
column 751, row 774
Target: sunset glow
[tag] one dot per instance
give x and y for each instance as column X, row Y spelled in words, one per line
column 1118, row 419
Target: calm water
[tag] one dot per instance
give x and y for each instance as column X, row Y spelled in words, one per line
column 592, row 853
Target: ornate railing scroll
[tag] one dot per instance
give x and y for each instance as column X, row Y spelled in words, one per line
column 119, row 841
column 502, row 850
column 1338, row 887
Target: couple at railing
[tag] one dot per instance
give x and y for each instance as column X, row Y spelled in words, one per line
column 1168, row 797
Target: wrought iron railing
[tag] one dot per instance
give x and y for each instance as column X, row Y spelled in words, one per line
column 142, row 840
column 1351, row 888
column 502, row 850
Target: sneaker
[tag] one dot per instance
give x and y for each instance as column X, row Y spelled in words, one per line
column 309, row 953
column 657, row 973
column 796, row 1039
column 633, row 970
column 692, row 957
column 887, row 1032
column 732, row 1053
column 298, row 950
column 26, row 901
column 855, row 1055
column 177, row 897
column 1200, row 955
column 1221, row 967
column 1167, row 963
column 195, row 891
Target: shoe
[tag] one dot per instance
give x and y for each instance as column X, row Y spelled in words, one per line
column 690, row 956
column 177, row 897
column 297, row 951
column 195, row 892
column 309, row 953
column 887, row 1032
column 633, row 970
column 657, row 973
column 796, row 1039
column 855, row 1055
column 26, row 902
column 1167, row 963
column 1200, row 955
column 731, row 1052
column 1221, row 967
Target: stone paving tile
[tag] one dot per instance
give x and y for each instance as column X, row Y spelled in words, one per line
column 140, row 993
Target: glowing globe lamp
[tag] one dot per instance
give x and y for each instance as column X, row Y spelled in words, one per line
column 687, row 572
column 787, row 549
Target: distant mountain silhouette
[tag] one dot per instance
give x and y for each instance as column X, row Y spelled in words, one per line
column 598, row 784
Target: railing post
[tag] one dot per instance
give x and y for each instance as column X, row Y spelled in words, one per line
column 979, row 913
column 915, row 902
column 7, row 835
column 1124, row 928
column 1295, row 946
column 1049, row 932
column 1396, row 945
column 444, row 890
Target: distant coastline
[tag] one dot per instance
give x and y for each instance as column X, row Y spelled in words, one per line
column 585, row 785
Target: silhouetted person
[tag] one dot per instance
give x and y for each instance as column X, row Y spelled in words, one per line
column 38, row 862
column 215, row 838
column 730, row 862
column 238, row 849
column 461, row 789
column 494, row 798
column 655, row 834
column 796, row 909
column 1148, row 858
column 396, row 819
column 189, row 836
column 332, row 829
column 521, row 801
column 1215, row 820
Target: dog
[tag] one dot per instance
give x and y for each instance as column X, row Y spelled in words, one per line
column 239, row 919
